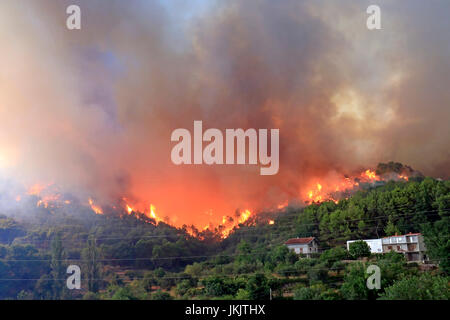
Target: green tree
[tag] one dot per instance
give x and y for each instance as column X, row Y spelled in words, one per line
column 258, row 287
column 161, row 295
column 359, row 249
column 423, row 287
column 391, row 229
column 90, row 256
column 58, row 267
column 354, row 286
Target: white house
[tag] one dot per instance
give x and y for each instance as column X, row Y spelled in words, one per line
column 411, row 245
column 375, row 245
column 305, row 246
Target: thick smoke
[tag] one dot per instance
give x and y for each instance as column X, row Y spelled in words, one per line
column 92, row 110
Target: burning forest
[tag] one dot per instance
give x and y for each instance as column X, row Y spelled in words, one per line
column 194, row 149
column 102, row 134
column 331, row 188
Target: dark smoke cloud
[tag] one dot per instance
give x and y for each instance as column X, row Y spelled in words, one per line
column 93, row 110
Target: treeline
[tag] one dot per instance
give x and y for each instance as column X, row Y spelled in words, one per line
column 131, row 258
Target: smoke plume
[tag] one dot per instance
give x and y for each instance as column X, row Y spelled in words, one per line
column 92, row 110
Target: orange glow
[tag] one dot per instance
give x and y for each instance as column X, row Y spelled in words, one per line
column 153, row 214
column 94, row 208
column 282, row 205
column 129, row 209
column 370, row 174
column 35, row 189
column 332, row 188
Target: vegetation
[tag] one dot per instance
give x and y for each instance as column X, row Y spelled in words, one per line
column 130, row 258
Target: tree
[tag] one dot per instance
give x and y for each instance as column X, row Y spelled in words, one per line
column 58, row 269
column 242, row 294
column 308, row 293
column 391, row 229
column 354, row 286
column 359, row 249
column 333, row 255
column 90, row 255
column 219, row 286
column 423, row 287
column 437, row 239
column 258, row 287
column 161, row 295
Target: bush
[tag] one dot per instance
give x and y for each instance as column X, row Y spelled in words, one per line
column 330, row 256
column 243, row 294
column 423, row 287
column 359, row 249
column 309, row 293
column 161, row 295
column 317, row 273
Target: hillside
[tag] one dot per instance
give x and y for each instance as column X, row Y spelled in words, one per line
column 131, row 257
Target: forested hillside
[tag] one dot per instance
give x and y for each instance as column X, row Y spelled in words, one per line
column 130, row 258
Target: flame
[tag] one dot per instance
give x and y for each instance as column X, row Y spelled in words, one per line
column 335, row 188
column 370, row 174
column 129, row 209
column 315, row 194
column 244, row 216
column 282, row 205
column 94, row 208
column 230, row 224
column 35, row 189
column 332, row 187
column 153, row 214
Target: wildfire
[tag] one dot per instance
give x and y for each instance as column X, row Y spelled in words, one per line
column 229, row 224
column 370, row 174
column 331, row 187
column 315, row 195
column 336, row 187
column 35, row 189
column 153, row 214
column 129, row 209
column 95, row 208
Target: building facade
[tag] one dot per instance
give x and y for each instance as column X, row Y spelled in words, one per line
column 306, row 246
column 411, row 245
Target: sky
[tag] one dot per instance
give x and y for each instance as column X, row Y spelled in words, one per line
column 92, row 110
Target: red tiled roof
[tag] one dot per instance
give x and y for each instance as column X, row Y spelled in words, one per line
column 299, row 240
